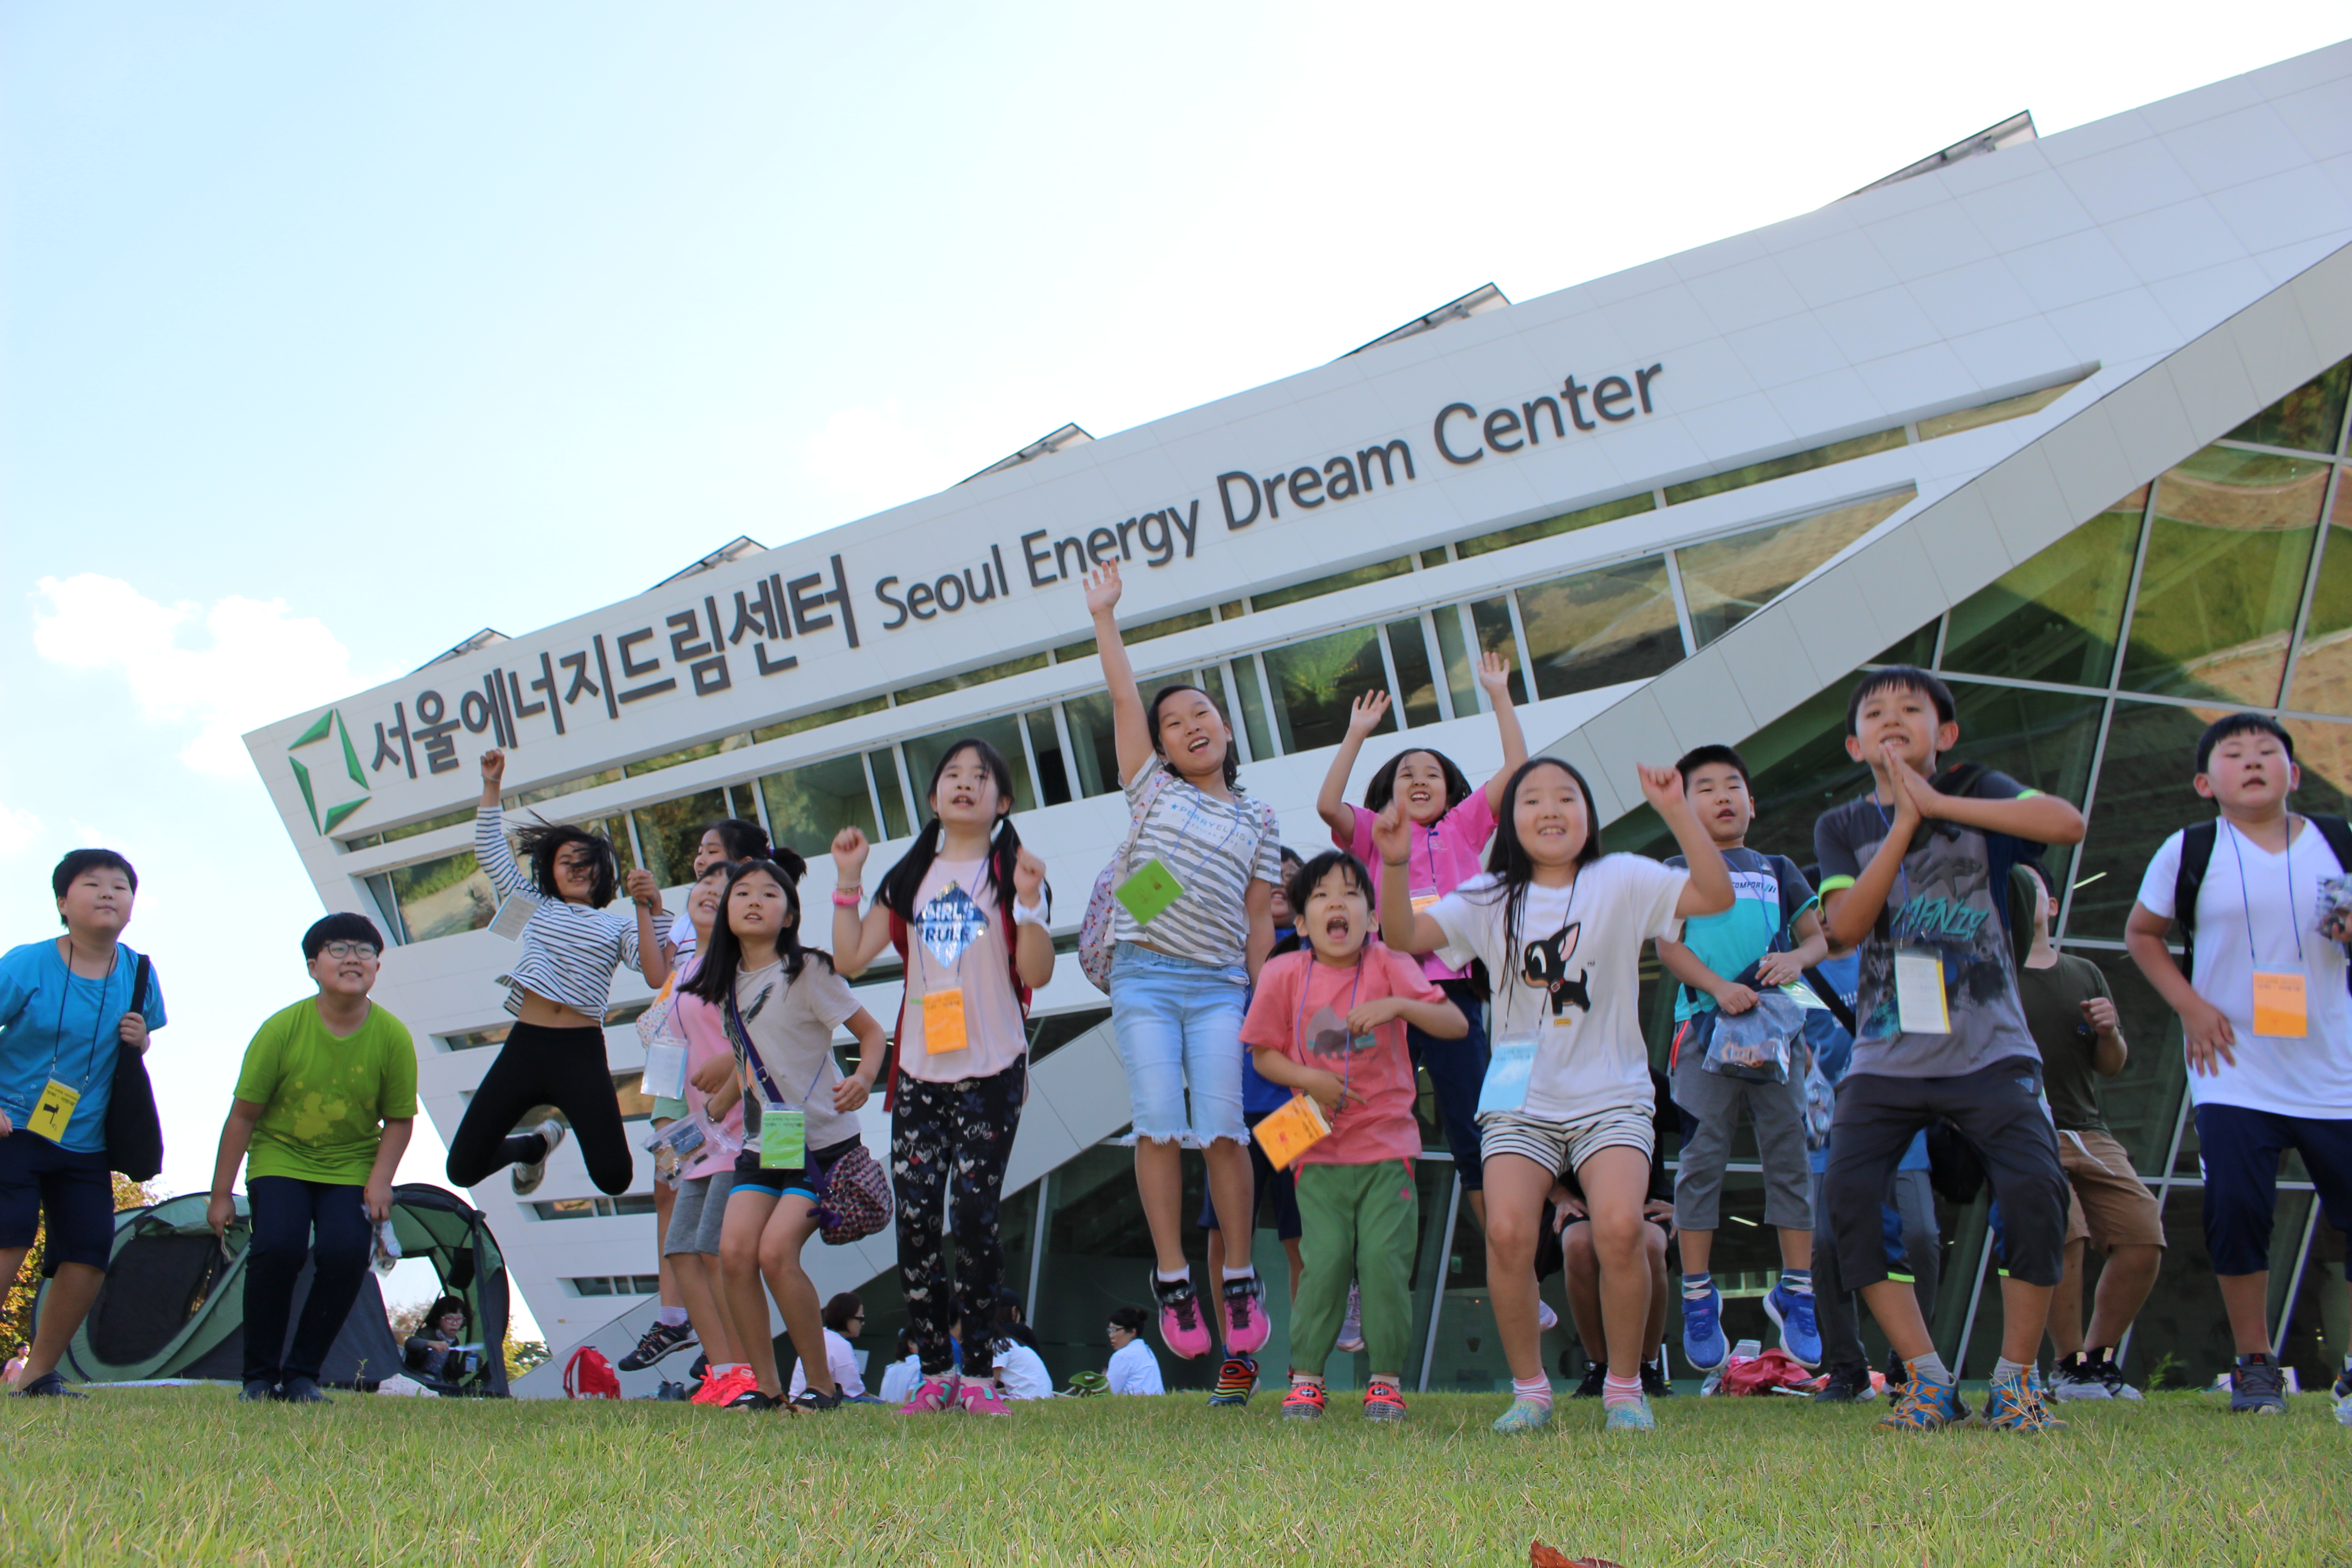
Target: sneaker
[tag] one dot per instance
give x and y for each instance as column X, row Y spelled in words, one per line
column 1236, row 1381
column 2343, row 1389
column 2257, row 1387
column 1924, row 1408
column 2014, row 1406
column 671, row 1393
column 1352, row 1327
column 1654, row 1379
column 930, row 1397
column 259, row 1390
column 1631, row 1416
column 1305, row 1402
column 1844, row 1385
column 1546, row 1319
column 1524, row 1415
column 48, row 1385
column 2077, row 1377
column 1242, row 1302
column 302, row 1391
column 980, row 1398
column 527, row 1177
column 1181, row 1329
column 1384, row 1402
column 810, row 1399
column 1591, row 1387
column 1792, row 1312
column 1703, row 1342
column 659, row 1340
column 753, row 1400
column 720, row 1391
column 2111, row 1377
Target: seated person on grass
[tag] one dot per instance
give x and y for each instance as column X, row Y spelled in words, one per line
column 325, row 1103
column 1133, row 1368
column 1581, row 1261
column 434, row 1351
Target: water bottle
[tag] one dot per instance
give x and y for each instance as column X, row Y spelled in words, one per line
column 1745, row 1349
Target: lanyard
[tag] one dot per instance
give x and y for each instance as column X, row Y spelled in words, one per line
column 98, row 1025
column 1347, row 1040
column 1520, row 974
column 742, row 1033
column 2288, row 859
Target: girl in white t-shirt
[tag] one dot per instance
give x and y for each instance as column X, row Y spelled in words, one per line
column 1559, row 927
column 966, row 907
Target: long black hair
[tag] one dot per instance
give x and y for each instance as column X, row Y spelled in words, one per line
column 540, row 840
column 1381, row 788
column 714, row 980
column 1151, row 719
column 904, row 885
column 1507, row 861
column 743, row 840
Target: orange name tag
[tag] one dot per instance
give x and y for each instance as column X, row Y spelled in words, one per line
column 1287, row 1133
column 2279, row 1005
column 943, row 1021
column 1423, row 900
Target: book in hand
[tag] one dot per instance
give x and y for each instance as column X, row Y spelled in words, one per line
column 1287, row 1133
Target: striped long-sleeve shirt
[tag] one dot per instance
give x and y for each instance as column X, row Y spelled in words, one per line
column 569, row 950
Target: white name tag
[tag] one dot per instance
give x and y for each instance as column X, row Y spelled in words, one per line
column 513, row 916
column 1919, row 1004
column 1509, row 1067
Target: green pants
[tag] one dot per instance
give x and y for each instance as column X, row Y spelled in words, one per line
column 1357, row 1224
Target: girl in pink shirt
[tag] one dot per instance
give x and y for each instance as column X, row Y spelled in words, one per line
column 1450, row 824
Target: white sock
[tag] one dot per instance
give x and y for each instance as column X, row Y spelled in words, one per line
column 671, row 1317
column 2005, row 1367
column 1249, row 1273
column 1167, row 1279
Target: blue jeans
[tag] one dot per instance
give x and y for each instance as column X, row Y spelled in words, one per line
column 1179, row 1024
column 287, row 1212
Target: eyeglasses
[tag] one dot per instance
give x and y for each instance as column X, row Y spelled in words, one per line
column 348, row 949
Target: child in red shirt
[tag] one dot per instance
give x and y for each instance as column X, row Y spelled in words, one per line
column 1330, row 1021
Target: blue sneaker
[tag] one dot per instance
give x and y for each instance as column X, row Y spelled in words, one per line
column 1792, row 1313
column 1702, row 1342
column 1924, row 1408
column 1631, row 1416
column 1524, row 1415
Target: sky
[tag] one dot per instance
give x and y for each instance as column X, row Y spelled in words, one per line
column 330, row 334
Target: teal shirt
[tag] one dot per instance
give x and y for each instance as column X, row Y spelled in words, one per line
column 66, row 1026
column 1767, row 895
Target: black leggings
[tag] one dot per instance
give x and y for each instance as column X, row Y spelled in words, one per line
column 540, row 1065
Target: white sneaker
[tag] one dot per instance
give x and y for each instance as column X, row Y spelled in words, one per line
column 1352, row 1327
column 1546, row 1319
column 526, row 1178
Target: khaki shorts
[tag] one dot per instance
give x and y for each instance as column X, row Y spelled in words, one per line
column 1560, row 1146
column 2110, row 1207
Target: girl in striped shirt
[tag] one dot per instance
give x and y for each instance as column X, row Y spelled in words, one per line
column 555, row 1054
column 1180, row 979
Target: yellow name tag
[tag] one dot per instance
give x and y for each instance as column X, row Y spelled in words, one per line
column 2279, row 1007
column 943, row 1021
column 1423, row 900
column 1287, row 1133
column 54, row 1111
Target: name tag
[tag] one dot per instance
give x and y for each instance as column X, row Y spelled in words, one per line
column 1919, row 1004
column 1423, row 900
column 943, row 1021
column 513, row 916
column 2279, row 1007
column 1287, row 1133
column 1509, row 1066
column 783, row 1140
column 54, row 1108
column 665, row 1071
column 1149, row 892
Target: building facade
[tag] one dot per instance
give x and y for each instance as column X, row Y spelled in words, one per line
column 2064, row 420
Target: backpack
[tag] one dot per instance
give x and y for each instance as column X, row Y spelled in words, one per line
column 588, row 1375
column 899, row 937
column 2197, row 844
column 1094, row 930
column 134, row 1133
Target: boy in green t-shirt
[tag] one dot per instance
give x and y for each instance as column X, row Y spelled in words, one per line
column 325, row 1102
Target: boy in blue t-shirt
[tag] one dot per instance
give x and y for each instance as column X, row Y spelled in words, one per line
column 1918, row 880
column 1767, row 940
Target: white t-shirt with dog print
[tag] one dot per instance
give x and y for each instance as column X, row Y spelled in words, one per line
column 1570, row 978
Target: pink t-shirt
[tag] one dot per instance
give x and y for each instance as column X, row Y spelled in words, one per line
column 705, row 1031
column 957, row 939
column 1442, row 856
column 1313, row 1032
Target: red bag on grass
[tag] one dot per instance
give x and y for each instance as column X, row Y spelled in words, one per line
column 1759, row 1375
column 588, row 1375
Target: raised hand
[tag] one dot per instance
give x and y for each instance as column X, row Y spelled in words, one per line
column 1102, row 586
column 1028, row 877
column 1662, row 787
column 1391, row 834
column 1495, row 675
column 849, row 852
column 1911, row 787
column 642, row 889
column 494, row 766
column 1364, row 715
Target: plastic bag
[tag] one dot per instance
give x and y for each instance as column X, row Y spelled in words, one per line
column 1820, row 1099
column 1754, row 1044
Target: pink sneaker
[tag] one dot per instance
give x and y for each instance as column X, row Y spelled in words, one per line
column 1181, row 1327
column 1243, row 1302
column 931, row 1395
column 981, row 1399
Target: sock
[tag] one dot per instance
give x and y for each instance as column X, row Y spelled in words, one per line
column 1167, row 1279
column 1305, row 1378
column 1535, row 1390
column 1615, row 1390
column 670, row 1317
column 1698, row 1284
column 2005, row 1367
column 1800, row 1281
column 1391, row 1381
column 1234, row 1274
column 1931, row 1367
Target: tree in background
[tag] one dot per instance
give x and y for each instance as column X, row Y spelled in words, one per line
column 523, row 1355
column 17, row 1308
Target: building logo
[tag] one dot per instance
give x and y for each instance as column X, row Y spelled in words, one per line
column 331, row 723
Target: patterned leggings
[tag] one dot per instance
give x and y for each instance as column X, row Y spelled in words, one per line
column 962, row 1130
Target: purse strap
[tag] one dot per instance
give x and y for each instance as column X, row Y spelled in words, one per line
column 139, row 986
column 1143, row 804
column 741, row 1038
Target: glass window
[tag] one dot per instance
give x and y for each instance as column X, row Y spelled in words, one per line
column 1409, row 650
column 1918, row 649
column 1258, row 724
column 1315, row 681
column 475, row 1039
column 1779, row 468
column 629, row 1090
column 1097, row 747
column 413, row 830
column 2144, row 793
column 892, row 793
column 1567, row 522
column 1130, row 635
column 685, row 754
column 615, row 830
column 2225, row 560
column 1455, row 651
column 2308, row 419
column 440, row 898
column 1598, row 628
column 2323, row 663
column 1045, row 745
column 2056, row 616
column 948, row 683
column 925, row 755
column 2043, row 739
column 1052, row 1032
column 820, row 719
column 1994, row 413
column 1380, row 570
column 670, row 831
column 1728, row 580
column 807, row 805
column 1491, row 620
column 538, row 793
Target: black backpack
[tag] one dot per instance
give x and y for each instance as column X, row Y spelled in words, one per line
column 134, row 1133
column 2197, row 844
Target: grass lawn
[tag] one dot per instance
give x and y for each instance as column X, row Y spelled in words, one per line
column 188, row 1476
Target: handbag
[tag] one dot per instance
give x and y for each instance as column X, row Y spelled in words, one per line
column 134, row 1133
column 1095, row 931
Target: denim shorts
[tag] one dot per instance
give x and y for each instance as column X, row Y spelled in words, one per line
column 1179, row 1024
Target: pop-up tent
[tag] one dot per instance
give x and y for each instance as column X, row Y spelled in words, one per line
column 174, row 1303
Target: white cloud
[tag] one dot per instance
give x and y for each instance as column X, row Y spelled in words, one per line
column 18, row 831
column 260, row 663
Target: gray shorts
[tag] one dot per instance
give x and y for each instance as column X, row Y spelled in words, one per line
column 695, row 1219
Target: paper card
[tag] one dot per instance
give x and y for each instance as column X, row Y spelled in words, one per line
column 1423, row 900
column 1919, row 1004
column 664, row 1070
column 54, row 1112
column 1509, row 1067
column 1287, row 1133
column 943, row 1021
column 513, row 916
column 1149, row 892
column 783, row 1140
column 2279, row 1007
